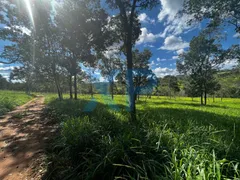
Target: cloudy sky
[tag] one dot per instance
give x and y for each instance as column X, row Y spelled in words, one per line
column 165, row 35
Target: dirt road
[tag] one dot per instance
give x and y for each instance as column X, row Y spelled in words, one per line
column 24, row 134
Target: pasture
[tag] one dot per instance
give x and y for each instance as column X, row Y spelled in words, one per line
column 10, row 99
column 172, row 138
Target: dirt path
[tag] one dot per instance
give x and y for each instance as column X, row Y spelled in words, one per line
column 23, row 136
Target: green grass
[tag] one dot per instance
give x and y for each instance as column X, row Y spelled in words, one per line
column 10, row 99
column 172, row 139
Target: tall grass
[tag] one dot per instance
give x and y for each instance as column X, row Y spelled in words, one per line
column 10, row 99
column 173, row 139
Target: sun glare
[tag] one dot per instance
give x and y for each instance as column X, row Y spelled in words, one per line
column 27, row 2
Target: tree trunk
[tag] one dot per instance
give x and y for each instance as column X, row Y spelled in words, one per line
column 59, row 93
column 112, row 84
column 70, row 87
column 213, row 98
column 135, row 97
column 75, row 86
column 91, row 90
column 128, row 29
column 201, row 98
column 205, row 97
column 131, row 95
column 60, row 97
column 28, row 89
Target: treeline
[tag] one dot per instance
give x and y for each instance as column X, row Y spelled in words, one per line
column 171, row 86
column 228, row 82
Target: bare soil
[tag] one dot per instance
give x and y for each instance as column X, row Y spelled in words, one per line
column 24, row 134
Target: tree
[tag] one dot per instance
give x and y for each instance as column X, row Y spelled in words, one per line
column 82, row 25
column 90, row 79
column 172, row 83
column 218, row 11
column 190, row 89
column 28, row 34
column 234, row 53
column 229, row 81
column 4, row 84
column 109, row 67
column 201, row 63
column 129, row 33
column 143, row 77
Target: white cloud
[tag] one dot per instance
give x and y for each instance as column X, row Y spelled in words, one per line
column 102, row 79
column 161, row 60
column 173, row 43
column 143, row 17
column 146, row 37
column 180, row 51
column 161, row 72
column 229, row 64
column 23, row 29
column 175, row 57
column 149, row 45
column 237, row 35
column 6, row 77
column 10, row 68
column 151, row 64
column 5, row 74
column 112, row 50
column 174, row 24
column 169, row 9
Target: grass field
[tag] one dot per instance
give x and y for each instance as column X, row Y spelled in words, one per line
column 172, row 139
column 10, row 99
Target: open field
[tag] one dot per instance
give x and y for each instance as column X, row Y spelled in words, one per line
column 172, row 139
column 10, row 99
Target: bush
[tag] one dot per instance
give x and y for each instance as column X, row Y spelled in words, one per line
column 6, row 105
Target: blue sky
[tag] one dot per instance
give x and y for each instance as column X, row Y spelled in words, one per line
column 166, row 35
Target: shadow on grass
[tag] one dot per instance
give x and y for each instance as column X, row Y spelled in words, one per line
column 182, row 121
column 192, row 125
column 80, row 108
column 99, row 114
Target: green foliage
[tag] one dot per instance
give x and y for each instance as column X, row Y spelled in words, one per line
column 218, row 11
column 10, row 99
column 192, row 164
column 173, row 139
column 201, row 62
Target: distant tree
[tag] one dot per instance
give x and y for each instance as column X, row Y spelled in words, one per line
column 216, row 87
column 229, row 81
column 90, row 79
column 172, row 83
column 109, row 67
column 234, row 53
column 4, row 84
column 129, row 31
column 143, row 77
column 201, row 63
column 190, row 88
